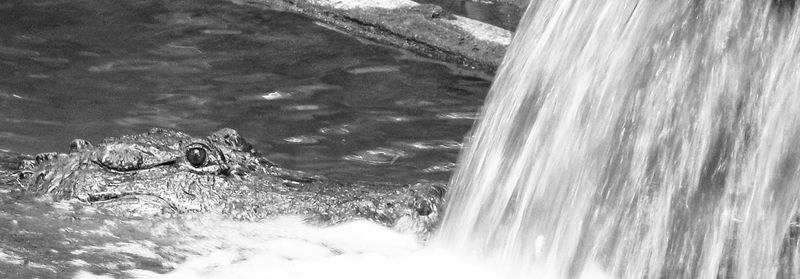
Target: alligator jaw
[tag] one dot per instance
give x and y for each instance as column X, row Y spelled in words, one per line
column 131, row 204
column 115, row 169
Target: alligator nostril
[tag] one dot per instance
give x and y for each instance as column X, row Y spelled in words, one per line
column 44, row 157
column 424, row 209
column 27, row 165
column 78, row 145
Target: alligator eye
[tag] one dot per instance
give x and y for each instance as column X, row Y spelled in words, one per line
column 196, row 156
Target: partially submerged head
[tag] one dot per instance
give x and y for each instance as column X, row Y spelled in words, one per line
column 164, row 171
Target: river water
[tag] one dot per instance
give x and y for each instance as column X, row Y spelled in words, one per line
column 643, row 139
column 308, row 97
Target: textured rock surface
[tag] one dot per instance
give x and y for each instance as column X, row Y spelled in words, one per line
column 426, row 29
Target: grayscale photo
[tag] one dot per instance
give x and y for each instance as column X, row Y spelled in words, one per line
column 429, row 139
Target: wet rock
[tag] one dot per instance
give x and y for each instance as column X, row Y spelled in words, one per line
column 431, row 11
column 425, row 29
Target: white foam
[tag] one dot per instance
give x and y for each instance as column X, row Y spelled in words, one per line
column 286, row 247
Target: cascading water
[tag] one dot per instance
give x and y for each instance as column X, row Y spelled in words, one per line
column 651, row 139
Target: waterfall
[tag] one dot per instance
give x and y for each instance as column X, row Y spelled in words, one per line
column 648, row 139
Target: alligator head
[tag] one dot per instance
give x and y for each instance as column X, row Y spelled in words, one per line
column 168, row 172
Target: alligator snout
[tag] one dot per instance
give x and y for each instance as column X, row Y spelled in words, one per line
column 426, row 207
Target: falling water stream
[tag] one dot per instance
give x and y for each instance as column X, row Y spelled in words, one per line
column 647, row 139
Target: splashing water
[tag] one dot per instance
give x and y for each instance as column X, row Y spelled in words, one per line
column 651, row 139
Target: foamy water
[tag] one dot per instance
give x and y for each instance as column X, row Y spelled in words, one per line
column 288, row 248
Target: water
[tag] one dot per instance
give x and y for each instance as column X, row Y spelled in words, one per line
column 308, row 97
column 644, row 139
column 69, row 240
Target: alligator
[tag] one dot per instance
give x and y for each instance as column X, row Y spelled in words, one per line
column 164, row 172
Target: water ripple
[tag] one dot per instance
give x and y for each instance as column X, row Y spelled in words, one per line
column 31, row 121
column 301, row 107
column 248, row 78
column 440, row 167
column 375, row 69
column 51, row 60
column 394, row 118
column 10, row 51
column 222, row 32
column 458, row 116
column 176, row 50
column 17, row 137
column 379, row 156
column 304, row 139
column 414, row 103
column 433, row 145
column 141, row 65
column 183, row 18
column 341, row 129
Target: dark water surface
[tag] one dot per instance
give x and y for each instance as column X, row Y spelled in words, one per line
column 308, row 97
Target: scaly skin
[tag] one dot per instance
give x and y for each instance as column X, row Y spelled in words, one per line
column 164, row 172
